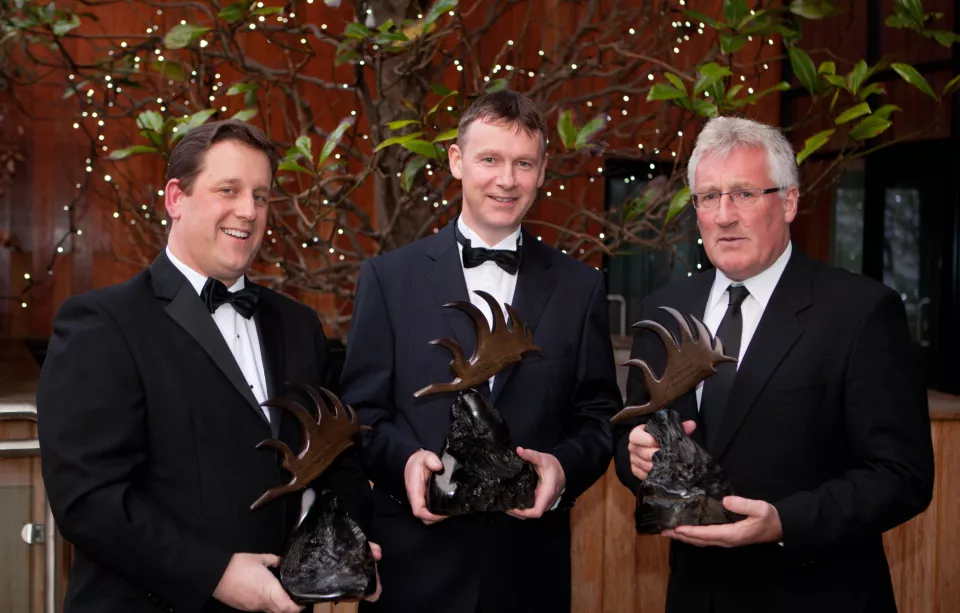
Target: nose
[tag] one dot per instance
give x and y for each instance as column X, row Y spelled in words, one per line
column 246, row 208
column 507, row 178
column 727, row 211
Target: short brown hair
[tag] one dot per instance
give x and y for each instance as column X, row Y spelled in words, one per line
column 186, row 160
column 508, row 107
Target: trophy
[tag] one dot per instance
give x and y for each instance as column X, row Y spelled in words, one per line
column 481, row 469
column 327, row 557
column 686, row 486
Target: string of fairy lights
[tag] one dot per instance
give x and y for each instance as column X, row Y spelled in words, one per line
column 98, row 96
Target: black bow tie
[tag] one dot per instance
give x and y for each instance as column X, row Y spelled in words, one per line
column 215, row 293
column 509, row 261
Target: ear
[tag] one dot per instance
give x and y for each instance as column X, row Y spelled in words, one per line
column 543, row 169
column 456, row 160
column 173, row 199
column 790, row 204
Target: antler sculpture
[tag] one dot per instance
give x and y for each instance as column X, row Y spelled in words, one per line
column 495, row 350
column 689, row 361
column 322, row 439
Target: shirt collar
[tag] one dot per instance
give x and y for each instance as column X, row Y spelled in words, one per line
column 196, row 279
column 760, row 286
column 509, row 242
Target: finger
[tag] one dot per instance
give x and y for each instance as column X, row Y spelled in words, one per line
column 641, row 465
column 280, row 602
column 529, row 455
column 269, row 559
column 724, row 535
column 689, row 426
column 377, row 551
column 433, row 462
column 686, row 539
column 647, row 453
column 744, row 506
column 639, row 436
column 523, row 513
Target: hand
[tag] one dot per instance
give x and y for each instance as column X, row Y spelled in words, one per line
column 248, row 585
column 377, row 554
column 762, row 525
column 415, row 476
column 642, row 446
column 551, row 483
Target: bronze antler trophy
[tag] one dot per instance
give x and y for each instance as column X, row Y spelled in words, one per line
column 327, row 557
column 481, row 469
column 686, row 486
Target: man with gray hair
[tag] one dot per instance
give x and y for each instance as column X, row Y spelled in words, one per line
column 822, row 425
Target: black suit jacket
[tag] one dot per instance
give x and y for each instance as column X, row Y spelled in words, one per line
column 557, row 401
column 828, row 421
column 148, row 433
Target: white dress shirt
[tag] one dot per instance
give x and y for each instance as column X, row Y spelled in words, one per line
column 488, row 276
column 760, row 287
column 239, row 333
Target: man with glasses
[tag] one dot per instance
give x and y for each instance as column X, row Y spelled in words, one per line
column 822, row 425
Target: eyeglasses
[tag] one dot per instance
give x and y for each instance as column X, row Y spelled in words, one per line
column 740, row 197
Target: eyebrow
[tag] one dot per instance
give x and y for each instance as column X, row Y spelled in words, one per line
column 237, row 181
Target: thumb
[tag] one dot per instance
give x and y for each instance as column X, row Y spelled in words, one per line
column 743, row 506
column 528, row 454
column 377, row 551
column 268, row 559
column 689, row 427
column 433, row 463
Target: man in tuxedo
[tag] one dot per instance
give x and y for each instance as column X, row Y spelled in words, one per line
column 556, row 402
column 822, row 425
column 150, row 405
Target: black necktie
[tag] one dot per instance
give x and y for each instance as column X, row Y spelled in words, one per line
column 713, row 401
column 509, row 261
column 215, row 293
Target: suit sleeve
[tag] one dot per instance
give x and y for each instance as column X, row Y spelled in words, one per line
column 890, row 474
column 585, row 451
column 345, row 476
column 367, row 385
column 93, row 442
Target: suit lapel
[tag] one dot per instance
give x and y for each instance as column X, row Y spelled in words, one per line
column 533, row 290
column 778, row 331
column 270, row 334
column 187, row 310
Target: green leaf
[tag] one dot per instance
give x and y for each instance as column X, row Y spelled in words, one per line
column 241, row 88
column 268, row 10
column 496, row 85
column 951, row 87
column 705, row 108
column 250, row 99
column 872, row 89
column 303, row 146
column 911, row 76
column 402, row 123
column 813, row 9
column 293, row 166
column 735, row 11
column 245, row 115
column 119, row 154
column 710, row 74
column 856, row 76
column 827, row 68
column 62, row 27
column 705, row 19
column 858, row 110
column 731, row 43
column 677, row 82
column 151, row 121
column 913, row 8
column 233, row 12
column 385, row 26
column 813, row 143
column 334, row 139
column 438, row 9
column 885, row 111
column 679, row 201
column 436, row 106
column 837, row 81
column 588, row 130
column 733, row 91
column 169, row 69
column 357, row 30
column 899, row 21
column 421, row 147
column 183, row 34
column 440, row 89
column 662, row 91
column 410, row 172
column 185, row 125
column 345, row 55
column 397, row 140
column 869, row 127
column 945, row 37
column 446, row 135
column 567, row 129
column 803, row 68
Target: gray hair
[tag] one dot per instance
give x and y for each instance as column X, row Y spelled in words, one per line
column 723, row 134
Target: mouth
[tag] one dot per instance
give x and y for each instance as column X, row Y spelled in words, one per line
column 729, row 240
column 503, row 200
column 239, row 234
